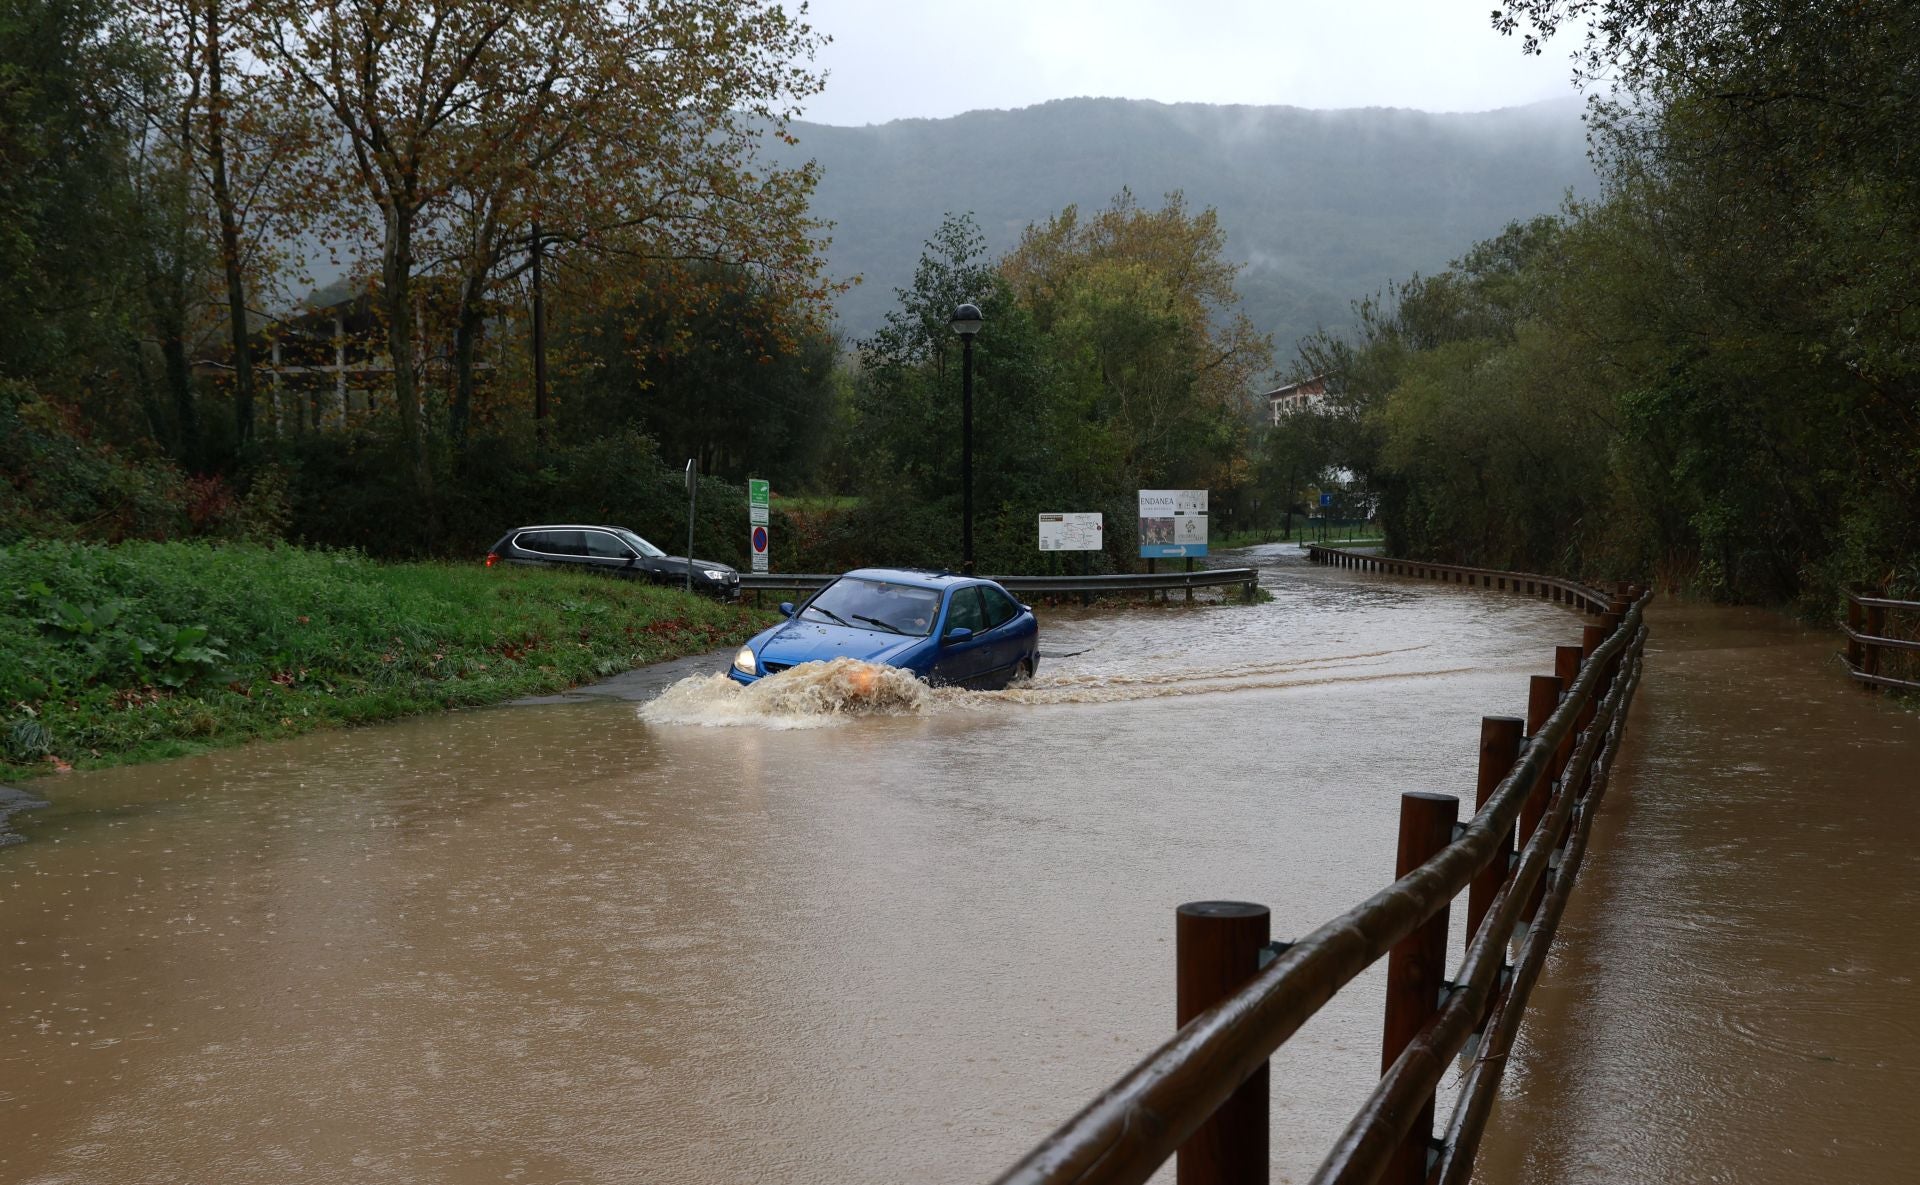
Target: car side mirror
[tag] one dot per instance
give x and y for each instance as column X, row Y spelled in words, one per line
column 958, row 633
column 786, row 607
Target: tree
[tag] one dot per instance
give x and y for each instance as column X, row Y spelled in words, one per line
column 211, row 147
column 68, row 226
column 1139, row 306
column 729, row 384
column 1762, row 151
column 640, row 160
column 621, row 126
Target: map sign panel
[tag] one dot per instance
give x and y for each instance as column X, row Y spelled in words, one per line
column 1173, row 523
column 1072, row 532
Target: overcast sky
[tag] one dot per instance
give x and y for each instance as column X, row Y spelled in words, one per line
column 899, row 59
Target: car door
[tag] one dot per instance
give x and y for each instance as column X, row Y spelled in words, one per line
column 567, row 548
column 561, row 549
column 965, row 661
column 608, row 553
column 1005, row 640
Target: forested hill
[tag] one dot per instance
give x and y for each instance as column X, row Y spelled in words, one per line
column 1323, row 206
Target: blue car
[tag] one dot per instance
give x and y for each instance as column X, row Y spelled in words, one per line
column 949, row 630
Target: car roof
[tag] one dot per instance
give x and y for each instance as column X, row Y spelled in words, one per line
column 923, row 577
column 574, row 527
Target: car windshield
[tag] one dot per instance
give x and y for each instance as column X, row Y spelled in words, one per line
column 640, row 545
column 877, row 605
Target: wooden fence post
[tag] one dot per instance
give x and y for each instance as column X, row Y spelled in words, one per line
column 1876, row 627
column 1856, row 622
column 1217, row 948
column 1543, row 696
column 1417, row 968
column 1499, row 750
column 1566, row 668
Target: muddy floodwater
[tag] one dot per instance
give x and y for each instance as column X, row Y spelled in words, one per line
column 729, row 938
column 1733, row 993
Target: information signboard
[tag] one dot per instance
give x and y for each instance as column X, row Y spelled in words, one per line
column 757, row 538
column 1072, row 532
column 1173, row 523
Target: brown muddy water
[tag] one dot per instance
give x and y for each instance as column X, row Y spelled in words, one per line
column 729, row 939
column 1732, row 995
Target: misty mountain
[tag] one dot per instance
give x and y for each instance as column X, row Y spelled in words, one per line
column 1322, row 206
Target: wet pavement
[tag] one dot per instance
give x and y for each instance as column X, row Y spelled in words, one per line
column 826, row 936
column 1731, row 996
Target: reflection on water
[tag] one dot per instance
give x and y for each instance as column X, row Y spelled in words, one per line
column 1731, row 994
column 569, row 943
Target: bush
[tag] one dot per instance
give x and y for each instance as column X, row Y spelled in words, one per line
column 56, row 482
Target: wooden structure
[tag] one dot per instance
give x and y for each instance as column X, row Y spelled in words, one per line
column 1540, row 781
column 327, row 367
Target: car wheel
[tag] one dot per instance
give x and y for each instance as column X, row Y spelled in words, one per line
column 1022, row 673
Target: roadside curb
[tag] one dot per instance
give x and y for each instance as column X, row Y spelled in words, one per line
column 13, row 800
column 637, row 685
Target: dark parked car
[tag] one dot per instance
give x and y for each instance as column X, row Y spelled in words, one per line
column 614, row 551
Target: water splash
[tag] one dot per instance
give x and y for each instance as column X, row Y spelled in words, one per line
column 811, row 695
column 822, row 694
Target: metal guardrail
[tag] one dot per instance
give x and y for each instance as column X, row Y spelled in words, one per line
column 1869, row 645
column 1132, row 582
column 1204, row 1093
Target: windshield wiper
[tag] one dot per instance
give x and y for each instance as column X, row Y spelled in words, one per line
column 885, row 625
column 830, row 613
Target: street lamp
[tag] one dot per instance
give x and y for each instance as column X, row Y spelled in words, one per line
column 966, row 323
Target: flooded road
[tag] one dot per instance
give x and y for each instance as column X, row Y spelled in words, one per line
column 569, row 943
column 1732, row 993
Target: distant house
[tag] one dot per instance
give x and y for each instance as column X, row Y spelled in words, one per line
column 326, row 365
column 1306, row 395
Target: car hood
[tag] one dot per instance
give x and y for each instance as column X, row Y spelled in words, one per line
column 819, row 641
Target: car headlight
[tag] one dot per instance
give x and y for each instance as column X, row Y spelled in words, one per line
column 713, row 574
column 744, row 662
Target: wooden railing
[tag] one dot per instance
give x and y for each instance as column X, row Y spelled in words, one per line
column 1204, row 1093
column 1883, row 642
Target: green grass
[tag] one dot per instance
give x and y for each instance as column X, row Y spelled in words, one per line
column 152, row 650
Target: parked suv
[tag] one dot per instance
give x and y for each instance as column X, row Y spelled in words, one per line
column 614, row 551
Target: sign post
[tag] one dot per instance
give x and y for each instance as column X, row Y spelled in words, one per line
column 693, row 485
column 1083, row 532
column 757, row 500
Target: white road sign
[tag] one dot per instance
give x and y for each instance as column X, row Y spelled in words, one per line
column 1072, row 532
column 1173, row 523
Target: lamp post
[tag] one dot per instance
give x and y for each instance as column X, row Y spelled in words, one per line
column 966, row 323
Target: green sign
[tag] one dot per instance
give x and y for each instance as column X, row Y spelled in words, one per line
column 756, row 492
